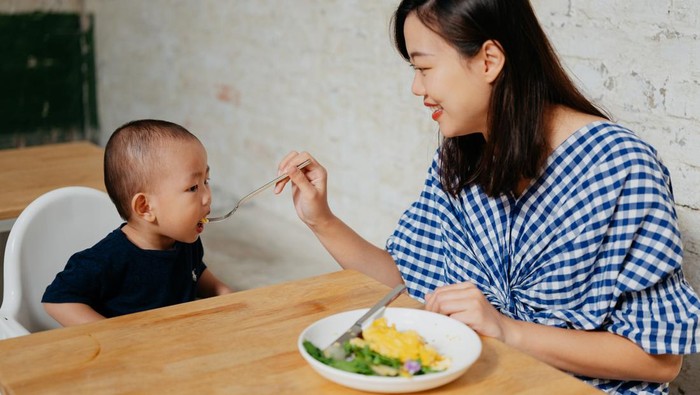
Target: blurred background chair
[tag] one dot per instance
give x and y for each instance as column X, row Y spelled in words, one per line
column 53, row 227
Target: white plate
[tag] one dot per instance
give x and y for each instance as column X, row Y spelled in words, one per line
column 450, row 338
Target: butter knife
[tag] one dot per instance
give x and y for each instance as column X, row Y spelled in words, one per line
column 336, row 350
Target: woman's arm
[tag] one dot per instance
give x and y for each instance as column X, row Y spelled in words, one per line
column 351, row 251
column 68, row 314
column 589, row 353
column 208, row 285
column 348, row 248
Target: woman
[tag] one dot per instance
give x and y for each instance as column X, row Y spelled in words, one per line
column 541, row 223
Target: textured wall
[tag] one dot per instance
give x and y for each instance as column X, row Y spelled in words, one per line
column 255, row 79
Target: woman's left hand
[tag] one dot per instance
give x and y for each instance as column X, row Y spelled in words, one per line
column 466, row 303
column 596, row 353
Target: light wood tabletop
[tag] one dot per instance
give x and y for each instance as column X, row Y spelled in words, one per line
column 27, row 173
column 242, row 343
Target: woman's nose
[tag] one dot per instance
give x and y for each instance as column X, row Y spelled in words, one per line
column 417, row 87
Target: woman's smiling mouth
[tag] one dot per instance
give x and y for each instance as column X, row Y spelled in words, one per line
column 436, row 110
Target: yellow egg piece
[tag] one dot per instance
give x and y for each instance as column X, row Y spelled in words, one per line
column 403, row 345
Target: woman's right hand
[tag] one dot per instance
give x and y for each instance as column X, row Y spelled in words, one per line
column 308, row 188
column 347, row 247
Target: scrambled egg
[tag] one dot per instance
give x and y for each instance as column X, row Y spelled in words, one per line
column 404, row 346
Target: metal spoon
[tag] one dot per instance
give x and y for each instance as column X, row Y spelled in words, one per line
column 255, row 192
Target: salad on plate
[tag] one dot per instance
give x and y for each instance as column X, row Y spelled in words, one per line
column 382, row 350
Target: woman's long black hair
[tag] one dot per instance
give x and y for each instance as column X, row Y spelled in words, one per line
column 531, row 80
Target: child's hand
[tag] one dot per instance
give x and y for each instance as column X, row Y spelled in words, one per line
column 209, row 285
column 466, row 303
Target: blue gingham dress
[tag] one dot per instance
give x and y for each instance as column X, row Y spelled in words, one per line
column 591, row 244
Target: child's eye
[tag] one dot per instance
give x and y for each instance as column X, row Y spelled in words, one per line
column 206, row 181
column 193, row 188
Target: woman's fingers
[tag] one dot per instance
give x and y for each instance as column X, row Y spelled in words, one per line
column 287, row 163
column 451, row 299
column 466, row 303
column 300, row 178
column 310, row 179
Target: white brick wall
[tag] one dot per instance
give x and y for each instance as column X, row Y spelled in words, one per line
column 255, row 79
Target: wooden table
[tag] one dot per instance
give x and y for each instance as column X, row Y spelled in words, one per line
column 27, row 173
column 242, row 343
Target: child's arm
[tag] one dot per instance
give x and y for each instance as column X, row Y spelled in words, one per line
column 68, row 314
column 209, row 285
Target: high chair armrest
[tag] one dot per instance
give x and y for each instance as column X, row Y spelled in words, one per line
column 10, row 328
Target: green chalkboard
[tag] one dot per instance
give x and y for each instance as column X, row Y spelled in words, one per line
column 47, row 79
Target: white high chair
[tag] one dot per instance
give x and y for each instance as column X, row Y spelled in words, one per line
column 56, row 225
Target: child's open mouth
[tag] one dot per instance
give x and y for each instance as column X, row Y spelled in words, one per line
column 200, row 224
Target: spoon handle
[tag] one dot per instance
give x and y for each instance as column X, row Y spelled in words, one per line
column 255, row 192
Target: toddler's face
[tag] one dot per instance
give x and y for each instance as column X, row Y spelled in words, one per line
column 181, row 195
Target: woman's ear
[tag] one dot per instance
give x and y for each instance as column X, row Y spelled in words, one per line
column 141, row 207
column 494, row 59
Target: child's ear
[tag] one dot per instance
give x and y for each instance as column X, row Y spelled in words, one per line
column 141, row 207
column 493, row 59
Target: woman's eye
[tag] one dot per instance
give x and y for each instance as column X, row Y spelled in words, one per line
column 419, row 69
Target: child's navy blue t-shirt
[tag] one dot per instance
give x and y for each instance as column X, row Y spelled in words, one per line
column 115, row 277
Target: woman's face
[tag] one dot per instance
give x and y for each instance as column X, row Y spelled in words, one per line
column 454, row 88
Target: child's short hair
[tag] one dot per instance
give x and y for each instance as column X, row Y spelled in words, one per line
column 132, row 153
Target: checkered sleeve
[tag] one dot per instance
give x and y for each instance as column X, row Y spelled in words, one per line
column 417, row 243
column 594, row 244
column 655, row 306
column 591, row 244
column 619, row 265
